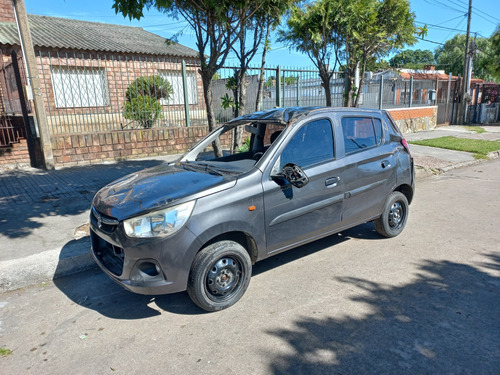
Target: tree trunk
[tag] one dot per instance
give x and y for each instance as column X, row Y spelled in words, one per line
column 325, row 76
column 260, row 90
column 359, row 89
column 348, row 94
column 242, row 96
column 206, row 77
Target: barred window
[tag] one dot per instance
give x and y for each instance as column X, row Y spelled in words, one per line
column 80, row 87
column 175, row 79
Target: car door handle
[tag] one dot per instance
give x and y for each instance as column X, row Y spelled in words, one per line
column 386, row 164
column 332, row 181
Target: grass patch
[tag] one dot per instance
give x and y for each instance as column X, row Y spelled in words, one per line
column 476, row 129
column 479, row 147
column 4, row 352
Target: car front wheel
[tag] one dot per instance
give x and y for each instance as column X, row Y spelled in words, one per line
column 219, row 276
column 394, row 217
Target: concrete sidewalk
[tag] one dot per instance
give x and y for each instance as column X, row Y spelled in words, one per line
column 44, row 215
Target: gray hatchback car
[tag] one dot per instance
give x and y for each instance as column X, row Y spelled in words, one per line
column 198, row 224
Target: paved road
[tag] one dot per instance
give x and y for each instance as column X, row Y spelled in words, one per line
column 426, row 302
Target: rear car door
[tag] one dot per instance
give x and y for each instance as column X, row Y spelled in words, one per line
column 370, row 168
column 296, row 215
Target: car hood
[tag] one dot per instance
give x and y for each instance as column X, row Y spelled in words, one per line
column 154, row 188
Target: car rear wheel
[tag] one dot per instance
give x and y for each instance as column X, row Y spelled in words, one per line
column 394, row 217
column 219, row 276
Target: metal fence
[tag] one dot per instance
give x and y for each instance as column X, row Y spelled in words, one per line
column 303, row 87
column 283, row 87
column 92, row 92
column 87, row 92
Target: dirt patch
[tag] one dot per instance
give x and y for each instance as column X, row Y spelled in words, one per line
column 429, row 162
column 82, row 231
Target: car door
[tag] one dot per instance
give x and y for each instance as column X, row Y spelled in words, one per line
column 296, row 215
column 370, row 168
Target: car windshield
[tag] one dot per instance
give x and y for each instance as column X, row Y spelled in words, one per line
column 240, row 148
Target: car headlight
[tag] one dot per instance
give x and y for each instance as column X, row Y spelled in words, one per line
column 161, row 223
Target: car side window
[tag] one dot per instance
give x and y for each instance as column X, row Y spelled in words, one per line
column 312, row 144
column 361, row 133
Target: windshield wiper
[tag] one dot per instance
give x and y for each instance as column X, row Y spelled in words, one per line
column 201, row 166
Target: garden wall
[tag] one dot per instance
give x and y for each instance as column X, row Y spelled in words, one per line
column 410, row 120
column 81, row 149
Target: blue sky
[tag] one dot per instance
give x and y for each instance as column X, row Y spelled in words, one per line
column 444, row 19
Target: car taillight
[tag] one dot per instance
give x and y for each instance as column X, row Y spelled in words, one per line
column 405, row 145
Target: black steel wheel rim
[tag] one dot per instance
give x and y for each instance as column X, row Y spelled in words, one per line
column 396, row 215
column 223, row 278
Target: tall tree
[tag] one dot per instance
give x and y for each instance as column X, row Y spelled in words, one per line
column 493, row 59
column 253, row 34
column 412, row 59
column 313, row 31
column 450, row 56
column 371, row 28
column 217, row 26
column 355, row 30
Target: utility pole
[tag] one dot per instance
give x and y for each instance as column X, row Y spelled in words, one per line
column 463, row 105
column 470, row 59
column 34, row 82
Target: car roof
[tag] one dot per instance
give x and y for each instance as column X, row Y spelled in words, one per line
column 289, row 115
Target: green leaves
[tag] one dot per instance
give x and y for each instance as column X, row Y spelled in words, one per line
column 142, row 99
column 412, row 59
column 450, row 56
column 492, row 59
column 153, row 86
column 143, row 109
column 228, row 102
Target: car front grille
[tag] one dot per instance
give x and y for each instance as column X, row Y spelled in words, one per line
column 110, row 256
column 105, row 223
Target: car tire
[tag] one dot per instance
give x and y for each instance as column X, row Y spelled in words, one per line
column 394, row 216
column 219, row 276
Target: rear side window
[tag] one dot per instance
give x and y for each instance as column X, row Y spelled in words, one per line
column 312, row 144
column 361, row 133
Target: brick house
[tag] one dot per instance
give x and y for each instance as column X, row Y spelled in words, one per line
column 85, row 70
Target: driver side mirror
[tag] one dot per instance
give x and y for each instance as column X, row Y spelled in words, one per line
column 293, row 174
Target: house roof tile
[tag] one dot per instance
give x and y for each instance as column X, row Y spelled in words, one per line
column 55, row 32
column 434, row 76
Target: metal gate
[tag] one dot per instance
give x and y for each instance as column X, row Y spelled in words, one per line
column 14, row 108
column 447, row 94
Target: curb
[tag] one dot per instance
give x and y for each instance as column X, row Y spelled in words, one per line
column 423, row 172
column 46, row 266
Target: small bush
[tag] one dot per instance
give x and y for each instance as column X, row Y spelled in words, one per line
column 143, row 96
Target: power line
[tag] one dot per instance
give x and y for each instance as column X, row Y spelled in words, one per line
column 431, row 41
column 458, row 4
column 452, row 19
column 439, row 27
column 482, row 17
column 458, row 25
column 475, row 10
column 443, row 5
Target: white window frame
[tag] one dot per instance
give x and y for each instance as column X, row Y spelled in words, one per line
column 80, row 87
column 174, row 77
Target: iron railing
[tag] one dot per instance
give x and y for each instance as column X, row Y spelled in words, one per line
column 92, row 92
